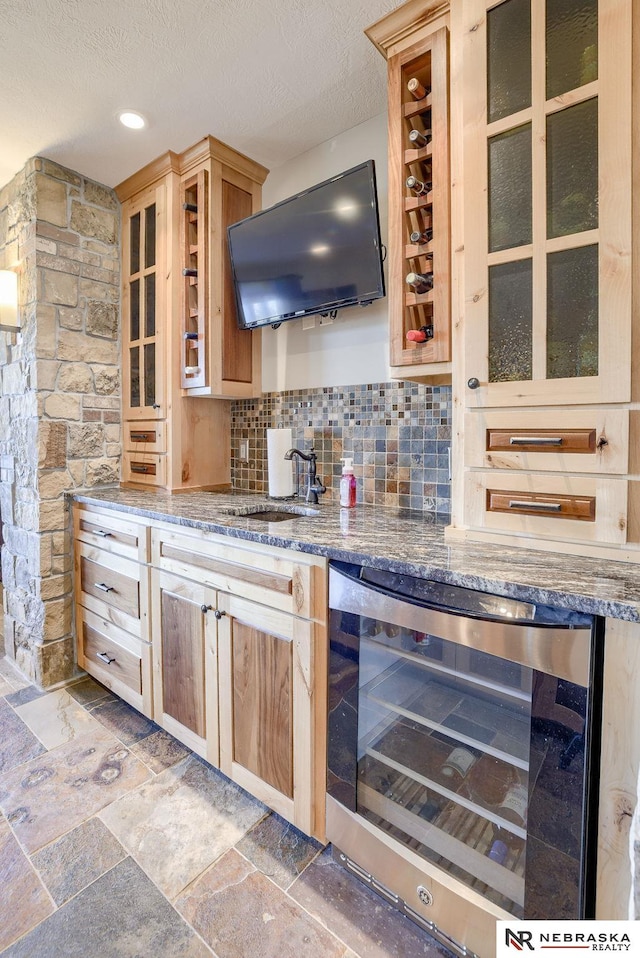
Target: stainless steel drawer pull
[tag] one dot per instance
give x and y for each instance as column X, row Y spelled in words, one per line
column 102, row 532
column 542, row 506
column 535, row 440
column 103, row 587
column 106, row 657
column 140, row 436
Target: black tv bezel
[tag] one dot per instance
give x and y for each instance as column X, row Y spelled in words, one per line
column 322, row 308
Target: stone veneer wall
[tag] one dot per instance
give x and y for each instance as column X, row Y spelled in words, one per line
column 59, row 397
column 398, row 434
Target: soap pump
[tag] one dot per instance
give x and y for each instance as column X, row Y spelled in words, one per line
column 347, row 484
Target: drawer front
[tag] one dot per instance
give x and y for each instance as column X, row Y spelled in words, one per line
column 114, row 588
column 554, row 505
column 144, row 468
column 145, row 437
column 107, row 656
column 111, row 531
column 564, row 507
column 572, row 441
column 105, row 583
column 269, row 577
column 116, row 659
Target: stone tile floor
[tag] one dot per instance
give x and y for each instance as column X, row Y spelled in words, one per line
column 117, row 842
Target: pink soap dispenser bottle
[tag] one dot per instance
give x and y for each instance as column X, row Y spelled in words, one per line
column 347, row 485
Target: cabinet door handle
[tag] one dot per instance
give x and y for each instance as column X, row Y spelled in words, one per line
column 218, row 614
column 103, row 587
column 106, row 657
column 140, row 436
column 541, row 506
column 535, row 440
column 137, row 468
column 206, row 608
column 473, row 383
column 102, row 532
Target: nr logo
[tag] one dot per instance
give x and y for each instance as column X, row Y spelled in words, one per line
column 519, row 939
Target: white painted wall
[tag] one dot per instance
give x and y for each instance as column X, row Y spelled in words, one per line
column 355, row 347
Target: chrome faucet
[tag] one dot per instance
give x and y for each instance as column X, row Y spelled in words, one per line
column 315, row 486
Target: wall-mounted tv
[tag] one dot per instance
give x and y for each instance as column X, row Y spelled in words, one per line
column 316, row 252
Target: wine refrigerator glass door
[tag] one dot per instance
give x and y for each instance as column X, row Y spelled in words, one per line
column 477, row 761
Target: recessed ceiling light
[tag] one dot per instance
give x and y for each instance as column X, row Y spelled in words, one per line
column 132, row 120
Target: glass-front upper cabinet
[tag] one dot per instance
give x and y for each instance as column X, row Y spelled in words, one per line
column 547, row 201
column 142, row 306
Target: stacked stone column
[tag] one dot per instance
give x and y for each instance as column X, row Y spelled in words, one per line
column 59, row 398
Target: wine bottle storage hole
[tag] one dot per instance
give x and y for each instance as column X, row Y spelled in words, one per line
column 418, row 183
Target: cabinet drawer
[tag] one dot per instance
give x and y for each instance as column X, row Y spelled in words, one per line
column 144, row 468
column 111, row 532
column 144, row 437
column 264, row 574
column 115, row 590
column 564, row 507
column 573, row 440
column 114, row 658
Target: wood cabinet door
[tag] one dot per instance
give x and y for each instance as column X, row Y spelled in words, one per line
column 267, row 720
column 185, row 662
column 547, row 202
column 144, row 293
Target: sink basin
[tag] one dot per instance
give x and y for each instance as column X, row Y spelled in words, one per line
column 270, row 513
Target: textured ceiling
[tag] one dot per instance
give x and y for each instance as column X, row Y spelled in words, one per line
column 271, row 78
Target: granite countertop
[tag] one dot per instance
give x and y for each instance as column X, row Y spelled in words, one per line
column 409, row 542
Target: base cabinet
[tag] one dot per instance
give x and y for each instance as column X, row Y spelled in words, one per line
column 221, row 641
column 185, row 662
column 267, row 707
column 239, row 664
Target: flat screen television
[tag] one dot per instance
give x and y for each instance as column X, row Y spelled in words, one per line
column 316, row 252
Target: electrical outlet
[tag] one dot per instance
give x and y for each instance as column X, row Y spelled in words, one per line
column 244, row 450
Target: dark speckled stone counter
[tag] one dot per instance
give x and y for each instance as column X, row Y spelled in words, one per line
column 412, row 543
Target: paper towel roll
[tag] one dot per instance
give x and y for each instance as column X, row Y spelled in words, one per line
column 280, row 470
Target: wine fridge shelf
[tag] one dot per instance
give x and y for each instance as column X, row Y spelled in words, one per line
column 454, row 670
column 452, row 836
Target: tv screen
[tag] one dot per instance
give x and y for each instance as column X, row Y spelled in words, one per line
column 315, row 252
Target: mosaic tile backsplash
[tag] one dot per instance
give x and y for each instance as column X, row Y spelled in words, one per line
column 398, row 434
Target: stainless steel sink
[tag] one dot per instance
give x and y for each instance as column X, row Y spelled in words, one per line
column 271, row 513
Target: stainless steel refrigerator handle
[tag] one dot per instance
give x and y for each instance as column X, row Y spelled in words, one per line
column 564, row 653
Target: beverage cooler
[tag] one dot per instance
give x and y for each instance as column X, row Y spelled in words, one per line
column 462, row 752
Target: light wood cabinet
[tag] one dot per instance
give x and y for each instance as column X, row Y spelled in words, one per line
column 547, row 215
column 185, row 662
column 269, row 681
column 416, row 45
column 543, row 241
column 112, row 603
column 181, row 342
column 239, row 635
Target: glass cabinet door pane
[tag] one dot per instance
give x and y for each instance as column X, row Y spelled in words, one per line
column 134, row 244
column 572, row 313
column 510, row 188
column 510, row 321
column 134, row 372
column 134, row 310
column 572, row 169
column 572, row 44
column 150, row 305
column 150, row 236
column 149, row 374
column 508, row 58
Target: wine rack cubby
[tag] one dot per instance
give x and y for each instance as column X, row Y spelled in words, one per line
column 194, row 236
column 419, row 217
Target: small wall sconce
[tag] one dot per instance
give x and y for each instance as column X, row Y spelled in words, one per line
column 9, row 312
